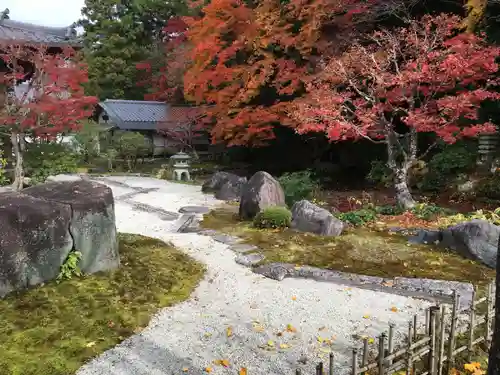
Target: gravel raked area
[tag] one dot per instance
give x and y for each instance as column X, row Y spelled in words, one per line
column 189, row 337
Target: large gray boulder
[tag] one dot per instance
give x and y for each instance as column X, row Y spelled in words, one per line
column 260, row 192
column 308, row 217
column 476, row 239
column 34, row 240
column 218, row 179
column 92, row 224
column 231, row 190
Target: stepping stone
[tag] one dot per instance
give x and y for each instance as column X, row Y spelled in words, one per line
column 194, row 210
column 249, row 260
column 208, row 232
column 243, row 248
column 225, row 239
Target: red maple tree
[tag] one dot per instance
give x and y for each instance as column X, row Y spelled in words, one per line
column 388, row 87
column 246, row 62
column 52, row 102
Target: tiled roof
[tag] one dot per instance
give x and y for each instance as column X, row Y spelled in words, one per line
column 147, row 115
column 11, row 30
column 135, row 114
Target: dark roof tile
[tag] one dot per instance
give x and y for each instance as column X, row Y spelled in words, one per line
column 11, row 30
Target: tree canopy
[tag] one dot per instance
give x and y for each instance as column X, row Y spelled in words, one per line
column 118, row 35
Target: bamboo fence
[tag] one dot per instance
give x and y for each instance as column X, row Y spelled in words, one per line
column 434, row 341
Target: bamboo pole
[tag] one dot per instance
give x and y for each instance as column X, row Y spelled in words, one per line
column 442, row 327
column 472, row 319
column 409, row 364
column 453, row 328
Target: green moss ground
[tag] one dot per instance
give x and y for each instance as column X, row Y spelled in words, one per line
column 361, row 250
column 55, row 328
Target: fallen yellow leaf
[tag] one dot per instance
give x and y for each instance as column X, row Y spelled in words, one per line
column 371, row 340
column 394, row 309
column 243, row 371
column 208, row 369
column 207, row 334
column 90, row 344
column 258, row 328
column 225, row 363
column 229, row 331
column 294, row 298
column 270, row 343
column 366, row 316
column 290, row 328
column 320, row 339
column 473, row 366
column 284, row 346
column 185, row 369
column 325, row 350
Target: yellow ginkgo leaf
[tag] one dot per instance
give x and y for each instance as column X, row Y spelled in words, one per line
column 366, row 316
column 243, row 371
column 229, row 331
column 270, row 343
column 284, row 346
column 371, row 340
column 320, row 339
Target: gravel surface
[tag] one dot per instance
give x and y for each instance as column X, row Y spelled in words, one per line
column 193, row 334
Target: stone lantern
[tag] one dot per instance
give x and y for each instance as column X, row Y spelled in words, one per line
column 181, row 163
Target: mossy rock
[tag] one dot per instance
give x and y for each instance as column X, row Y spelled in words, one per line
column 54, row 329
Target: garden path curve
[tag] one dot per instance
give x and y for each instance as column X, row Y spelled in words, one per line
column 193, row 334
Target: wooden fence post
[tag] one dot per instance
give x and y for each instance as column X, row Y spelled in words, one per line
column 488, row 318
column 432, row 345
column 355, row 361
column 364, row 359
column 453, row 328
column 390, row 347
column 330, row 364
column 381, row 350
column 442, row 326
column 409, row 364
column 471, row 323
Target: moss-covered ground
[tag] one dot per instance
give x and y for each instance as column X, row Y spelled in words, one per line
column 361, row 250
column 53, row 329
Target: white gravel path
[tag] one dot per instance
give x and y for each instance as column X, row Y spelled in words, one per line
column 193, row 334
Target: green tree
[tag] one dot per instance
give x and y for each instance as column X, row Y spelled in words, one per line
column 119, row 34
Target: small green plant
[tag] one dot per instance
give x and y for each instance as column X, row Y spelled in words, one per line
column 273, row 217
column 70, row 267
column 426, row 211
column 358, row 217
column 298, row 186
column 491, row 216
column 46, row 159
column 389, row 210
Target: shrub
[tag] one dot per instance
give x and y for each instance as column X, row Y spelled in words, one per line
column 489, row 187
column 273, row 217
column 447, row 164
column 298, row 186
column 491, row 216
column 380, row 174
column 358, row 217
column 4, row 178
column 427, row 211
column 45, row 159
column 389, row 210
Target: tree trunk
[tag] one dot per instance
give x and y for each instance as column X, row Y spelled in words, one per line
column 403, row 194
column 400, row 168
column 17, row 141
column 494, row 357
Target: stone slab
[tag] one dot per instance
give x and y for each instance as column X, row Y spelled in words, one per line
column 243, row 248
column 249, row 260
column 226, row 239
column 194, row 210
